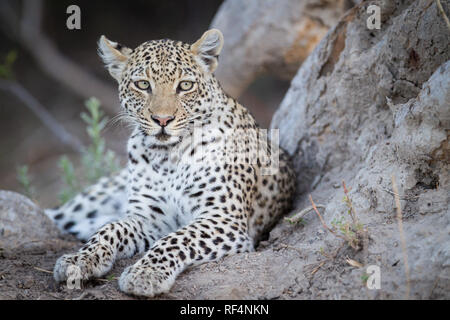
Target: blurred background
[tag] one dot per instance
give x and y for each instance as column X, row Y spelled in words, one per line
column 48, row 71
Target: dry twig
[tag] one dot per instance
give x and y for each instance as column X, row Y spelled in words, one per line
column 402, row 236
column 318, row 267
column 323, row 221
column 26, row 28
column 441, row 10
column 328, row 258
column 41, row 112
column 43, row 270
column 410, row 198
column 354, row 263
column 299, row 215
column 286, row 246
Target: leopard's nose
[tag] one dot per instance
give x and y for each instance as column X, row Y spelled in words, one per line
column 162, row 120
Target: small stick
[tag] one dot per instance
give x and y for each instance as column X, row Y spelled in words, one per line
column 318, row 267
column 43, row 270
column 396, row 194
column 299, row 215
column 353, row 263
column 439, row 5
column 42, row 114
column 107, row 280
column 322, row 221
column 286, row 246
column 332, row 257
column 402, row 236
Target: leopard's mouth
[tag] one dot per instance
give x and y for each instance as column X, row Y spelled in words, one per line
column 162, row 135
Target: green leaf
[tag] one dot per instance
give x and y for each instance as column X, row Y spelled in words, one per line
column 11, row 57
column 96, row 160
column 25, row 181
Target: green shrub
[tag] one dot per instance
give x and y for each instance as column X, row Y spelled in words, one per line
column 25, row 181
column 6, row 71
column 71, row 183
column 96, row 160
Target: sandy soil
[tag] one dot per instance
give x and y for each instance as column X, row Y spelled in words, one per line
column 27, row 275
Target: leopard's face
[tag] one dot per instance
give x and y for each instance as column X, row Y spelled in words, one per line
column 163, row 88
column 164, row 84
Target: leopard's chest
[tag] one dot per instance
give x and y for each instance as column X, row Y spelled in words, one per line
column 173, row 186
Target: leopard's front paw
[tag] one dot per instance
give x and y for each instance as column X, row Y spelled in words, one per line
column 144, row 281
column 71, row 269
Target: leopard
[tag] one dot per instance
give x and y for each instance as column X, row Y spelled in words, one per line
column 203, row 181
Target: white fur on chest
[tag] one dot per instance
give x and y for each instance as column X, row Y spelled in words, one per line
column 158, row 178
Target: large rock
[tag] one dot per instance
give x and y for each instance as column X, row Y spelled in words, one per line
column 365, row 105
column 273, row 36
column 22, row 223
column 369, row 104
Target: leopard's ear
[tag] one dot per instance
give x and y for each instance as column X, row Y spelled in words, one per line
column 207, row 49
column 114, row 55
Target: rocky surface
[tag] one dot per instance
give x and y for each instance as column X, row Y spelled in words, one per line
column 365, row 105
column 22, row 223
column 268, row 36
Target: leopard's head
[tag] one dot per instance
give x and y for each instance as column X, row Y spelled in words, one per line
column 165, row 85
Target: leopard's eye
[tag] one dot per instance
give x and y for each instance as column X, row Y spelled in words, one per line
column 142, row 84
column 185, row 85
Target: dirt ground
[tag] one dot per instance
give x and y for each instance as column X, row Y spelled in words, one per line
column 301, row 261
column 27, row 275
column 279, row 269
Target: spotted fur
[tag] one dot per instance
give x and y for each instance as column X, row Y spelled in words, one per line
column 194, row 189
